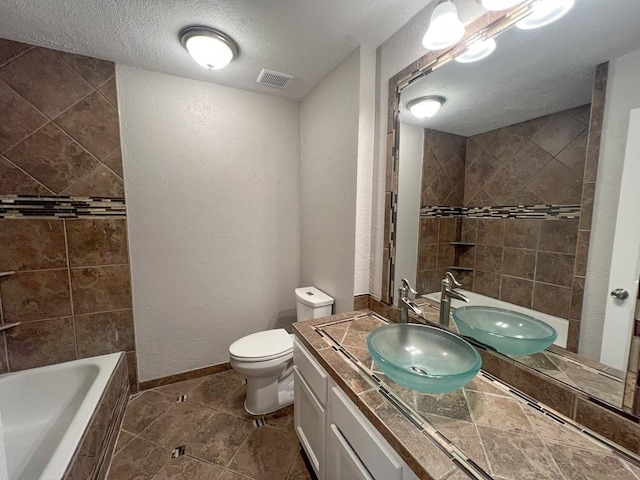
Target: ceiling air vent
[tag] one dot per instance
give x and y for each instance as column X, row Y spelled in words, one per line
column 273, row 79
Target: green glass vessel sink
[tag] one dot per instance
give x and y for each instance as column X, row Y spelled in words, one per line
column 423, row 358
column 509, row 332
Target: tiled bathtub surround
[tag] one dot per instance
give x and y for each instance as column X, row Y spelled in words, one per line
column 59, row 140
column 93, row 455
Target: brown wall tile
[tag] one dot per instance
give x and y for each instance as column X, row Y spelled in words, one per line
column 491, row 232
column 101, row 333
column 517, row 291
column 552, row 299
column 94, row 242
column 100, row 289
column 93, row 122
column 488, row 259
column 28, row 296
column 555, row 268
column 40, row 343
column 100, row 182
column 429, row 228
column 486, row 283
column 522, row 233
column 519, row 263
column 49, row 158
column 52, row 157
column 559, row 236
column 19, row 118
column 14, row 181
column 45, row 80
column 31, row 244
column 427, row 256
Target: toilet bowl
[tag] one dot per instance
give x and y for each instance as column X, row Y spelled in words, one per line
column 265, row 358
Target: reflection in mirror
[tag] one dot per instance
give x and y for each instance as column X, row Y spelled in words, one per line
column 499, row 186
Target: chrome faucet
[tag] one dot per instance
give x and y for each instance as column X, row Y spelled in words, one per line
column 449, row 283
column 407, row 303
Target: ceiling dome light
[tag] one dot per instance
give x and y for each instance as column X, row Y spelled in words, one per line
column 545, row 12
column 477, row 51
column 425, row 107
column 209, row 47
column 496, row 5
column 445, row 28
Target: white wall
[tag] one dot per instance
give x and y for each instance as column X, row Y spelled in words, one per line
column 364, row 181
column 335, row 152
column 408, row 215
column 623, row 95
column 212, row 183
column 404, row 47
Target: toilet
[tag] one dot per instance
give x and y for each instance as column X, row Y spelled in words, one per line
column 265, row 358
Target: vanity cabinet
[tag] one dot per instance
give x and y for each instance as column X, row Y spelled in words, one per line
column 340, row 442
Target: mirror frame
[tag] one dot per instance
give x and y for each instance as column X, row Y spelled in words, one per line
column 486, row 26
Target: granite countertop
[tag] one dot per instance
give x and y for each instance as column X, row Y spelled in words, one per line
column 485, row 430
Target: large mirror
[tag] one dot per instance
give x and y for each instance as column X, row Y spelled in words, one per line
column 514, row 186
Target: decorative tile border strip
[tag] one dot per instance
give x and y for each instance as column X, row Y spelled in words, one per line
column 17, row 206
column 517, row 211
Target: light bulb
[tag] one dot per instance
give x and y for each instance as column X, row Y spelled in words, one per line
column 477, row 51
column 445, row 28
column 545, row 12
column 425, row 107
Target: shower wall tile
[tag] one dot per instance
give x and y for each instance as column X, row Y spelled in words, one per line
column 32, row 245
column 101, row 333
column 45, row 80
column 100, row 289
column 40, row 343
column 36, row 295
column 94, row 242
column 59, row 136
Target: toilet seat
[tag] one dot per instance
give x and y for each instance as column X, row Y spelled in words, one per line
column 262, row 346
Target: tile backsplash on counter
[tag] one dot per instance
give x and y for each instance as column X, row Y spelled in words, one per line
column 62, row 225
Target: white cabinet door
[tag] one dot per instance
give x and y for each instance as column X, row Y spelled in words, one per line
column 344, row 464
column 310, row 423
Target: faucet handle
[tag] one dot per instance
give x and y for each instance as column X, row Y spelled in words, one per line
column 407, row 285
column 449, row 276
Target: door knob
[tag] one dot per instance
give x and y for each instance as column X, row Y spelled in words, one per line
column 620, row 294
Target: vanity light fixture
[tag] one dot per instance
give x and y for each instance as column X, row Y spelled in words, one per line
column 545, row 12
column 477, row 51
column 425, row 107
column 209, row 47
column 496, row 5
column 445, row 28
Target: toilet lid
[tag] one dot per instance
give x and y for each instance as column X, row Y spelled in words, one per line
column 262, row 345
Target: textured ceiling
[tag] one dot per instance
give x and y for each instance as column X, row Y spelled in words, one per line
column 532, row 73
column 304, row 38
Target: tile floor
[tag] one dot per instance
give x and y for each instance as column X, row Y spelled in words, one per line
column 220, row 440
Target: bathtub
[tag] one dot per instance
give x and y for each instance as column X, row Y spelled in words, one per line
column 47, row 412
column 559, row 324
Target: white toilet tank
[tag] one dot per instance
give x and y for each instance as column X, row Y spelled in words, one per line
column 312, row 303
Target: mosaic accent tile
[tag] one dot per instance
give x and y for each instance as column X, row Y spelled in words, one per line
column 524, row 212
column 17, row 206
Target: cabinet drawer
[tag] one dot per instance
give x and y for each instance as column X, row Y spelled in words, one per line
column 344, row 464
column 373, row 450
column 310, row 419
column 310, row 369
